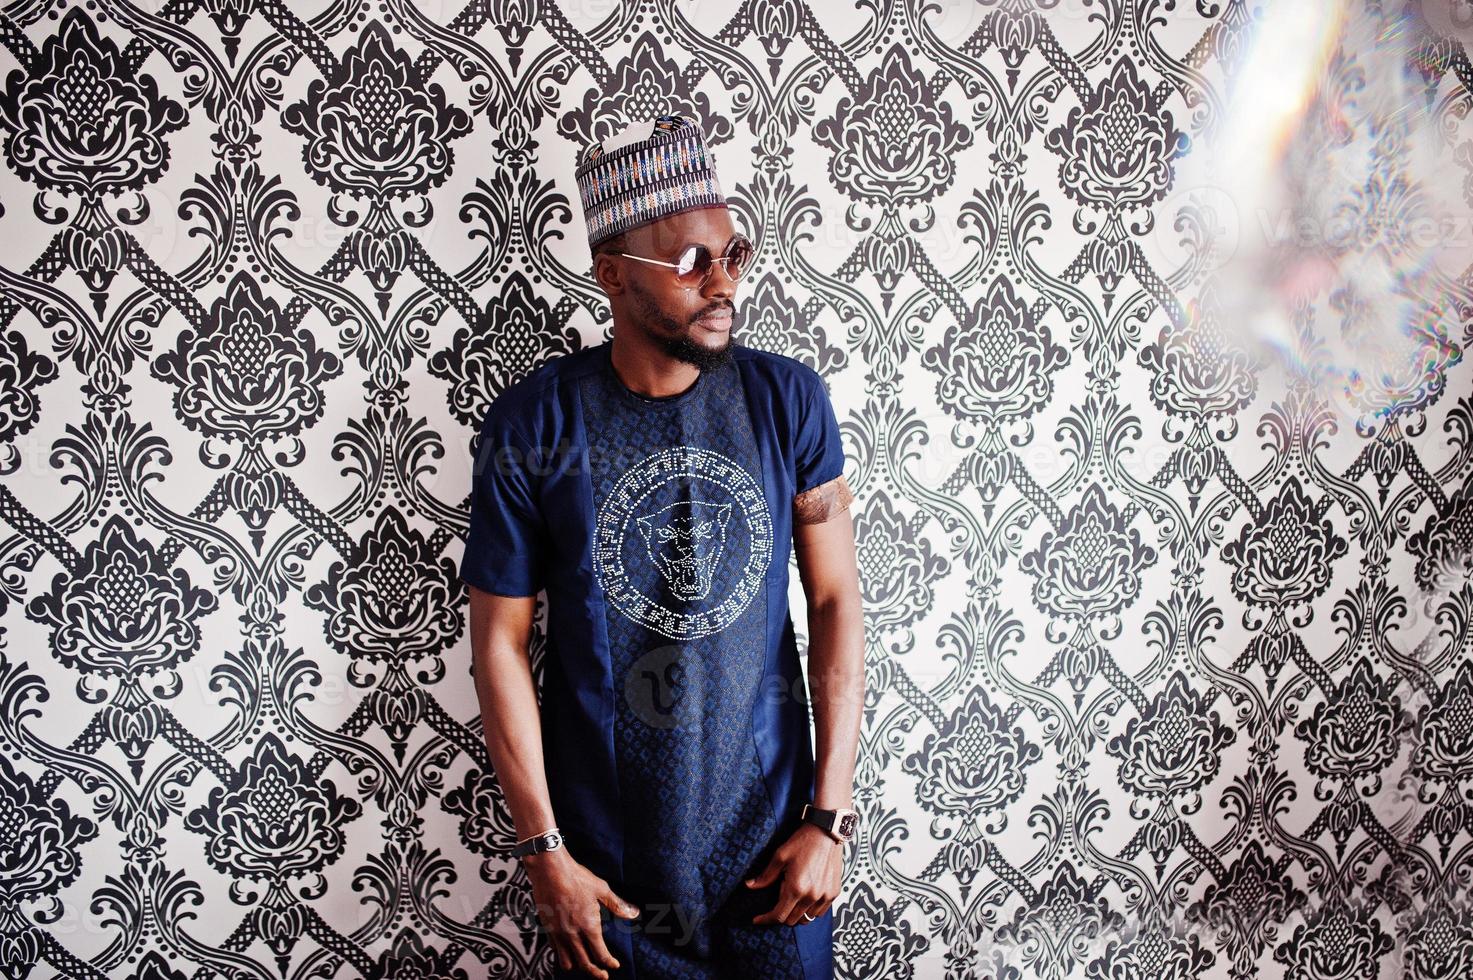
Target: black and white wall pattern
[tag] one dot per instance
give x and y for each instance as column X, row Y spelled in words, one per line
column 1144, row 320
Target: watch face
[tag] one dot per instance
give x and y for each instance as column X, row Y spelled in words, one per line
column 847, row 823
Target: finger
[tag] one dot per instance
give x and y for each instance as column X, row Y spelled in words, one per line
column 567, row 951
column 802, row 898
column 800, row 908
column 617, row 905
column 817, row 909
column 569, row 934
column 768, row 875
column 779, row 912
column 581, row 959
column 593, row 936
column 560, row 947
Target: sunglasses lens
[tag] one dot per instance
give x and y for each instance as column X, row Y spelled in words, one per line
column 739, row 256
column 693, row 265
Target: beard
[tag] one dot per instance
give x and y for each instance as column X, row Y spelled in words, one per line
column 685, row 349
column 675, row 338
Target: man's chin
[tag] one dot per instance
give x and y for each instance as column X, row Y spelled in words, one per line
column 692, row 351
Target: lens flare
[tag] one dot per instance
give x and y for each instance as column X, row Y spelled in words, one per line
column 1335, row 198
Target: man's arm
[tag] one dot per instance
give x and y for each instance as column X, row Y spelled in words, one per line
column 566, row 893
column 501, row 627
column 823, row 542
column 811, row 864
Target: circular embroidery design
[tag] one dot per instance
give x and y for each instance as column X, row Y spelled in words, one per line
column 683, row 542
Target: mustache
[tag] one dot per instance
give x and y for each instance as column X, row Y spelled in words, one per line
column 715, row 309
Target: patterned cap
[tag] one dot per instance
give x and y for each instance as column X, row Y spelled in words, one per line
column 648, row 171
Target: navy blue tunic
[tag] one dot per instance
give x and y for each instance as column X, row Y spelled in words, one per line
column 674, row 716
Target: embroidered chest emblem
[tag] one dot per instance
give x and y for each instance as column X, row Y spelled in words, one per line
column 683, row 542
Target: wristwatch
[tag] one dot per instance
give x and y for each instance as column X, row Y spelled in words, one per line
column 838, row 824
column 548, row 840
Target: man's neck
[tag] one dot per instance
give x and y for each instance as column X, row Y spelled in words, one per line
column 646, row 370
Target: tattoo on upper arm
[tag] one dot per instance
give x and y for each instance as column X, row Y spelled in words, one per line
column 818, row 504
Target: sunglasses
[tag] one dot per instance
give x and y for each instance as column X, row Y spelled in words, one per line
column 693, row 267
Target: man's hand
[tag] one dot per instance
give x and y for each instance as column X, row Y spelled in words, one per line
column 568, row 896
column 811, row 864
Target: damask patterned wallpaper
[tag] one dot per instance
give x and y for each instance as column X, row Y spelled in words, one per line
column 1144, row 321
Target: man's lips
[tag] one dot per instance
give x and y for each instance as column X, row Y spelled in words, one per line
column 719, row 320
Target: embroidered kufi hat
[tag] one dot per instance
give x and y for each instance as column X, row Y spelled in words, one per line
column 647, row 171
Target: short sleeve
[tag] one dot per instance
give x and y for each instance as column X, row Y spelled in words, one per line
column 818, row 451
column 504, row 547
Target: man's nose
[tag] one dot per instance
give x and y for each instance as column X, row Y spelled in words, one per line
column 720, row 284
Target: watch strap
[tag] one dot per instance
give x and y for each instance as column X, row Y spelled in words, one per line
column 548, row 840
column 822, row 819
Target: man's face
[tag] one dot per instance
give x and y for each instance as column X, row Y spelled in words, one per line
column 693, row 325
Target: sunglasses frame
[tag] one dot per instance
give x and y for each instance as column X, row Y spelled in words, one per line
column 724, row 258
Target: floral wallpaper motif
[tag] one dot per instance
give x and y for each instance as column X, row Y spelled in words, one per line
column 1165, row 537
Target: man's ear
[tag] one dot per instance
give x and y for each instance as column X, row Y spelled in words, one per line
column 608, row 274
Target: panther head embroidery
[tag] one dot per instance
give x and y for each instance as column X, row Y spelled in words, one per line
column 685, row 541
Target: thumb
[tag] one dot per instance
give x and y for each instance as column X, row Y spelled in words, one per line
column 618, row 905
column 768, row 875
